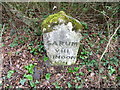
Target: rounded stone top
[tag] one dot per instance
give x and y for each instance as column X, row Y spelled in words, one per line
column 60, row 18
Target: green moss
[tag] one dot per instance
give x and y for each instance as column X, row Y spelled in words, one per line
column 59, row 18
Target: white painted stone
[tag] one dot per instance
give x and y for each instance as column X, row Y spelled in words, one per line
column 61, row 41
column 62, row 44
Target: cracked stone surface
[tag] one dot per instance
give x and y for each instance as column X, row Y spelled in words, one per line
column 61, row 35
column 62, row 44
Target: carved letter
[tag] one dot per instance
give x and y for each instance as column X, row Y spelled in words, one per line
column 74, row 44
column 61, row 43
column 57, row 50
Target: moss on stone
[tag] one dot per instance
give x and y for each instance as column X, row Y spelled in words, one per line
column 59, row 18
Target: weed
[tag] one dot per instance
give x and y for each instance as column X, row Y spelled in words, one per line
column 13, row 44
column 114, row 60
column 36, row 50
column 30, row 68
column 22, row 81
column 56, row 85
column 111, row 70
column 118, row 78
column 47, row 76
column 69, row 85
column 1, row 84
column 28, row 77
column 9, row 74
column 81, row 73
column 45, row 58
column 75, row 69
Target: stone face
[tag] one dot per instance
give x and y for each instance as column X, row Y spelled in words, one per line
column 62, row 41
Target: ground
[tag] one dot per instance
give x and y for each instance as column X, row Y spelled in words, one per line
column 26, row 64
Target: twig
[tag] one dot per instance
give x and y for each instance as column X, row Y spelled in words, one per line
column 2, row 30
column 19, row 15
column 100, row 12
column 106, row 51
column 1, row 56
column 109, row 42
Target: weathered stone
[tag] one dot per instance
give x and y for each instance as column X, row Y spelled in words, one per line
column 61, row 35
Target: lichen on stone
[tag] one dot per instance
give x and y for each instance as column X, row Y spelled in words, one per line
column 60, row 18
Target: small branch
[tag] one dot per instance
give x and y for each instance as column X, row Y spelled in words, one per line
column 1, row 55
column 109, row 43
column 105, row 52
column 26, row 20
column 100, row 12
column 3, row 28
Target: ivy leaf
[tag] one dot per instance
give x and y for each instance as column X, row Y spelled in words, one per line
column 45, row 58
column 76, row 69
column 22, row 81
column 29, row 77
column 69, row 85
column 32, row 84
column 30, row 68
column 118, row 78
column 37, row 82
column 13, row 45
column 84, row 25
column 9, row 74
column 47, row 76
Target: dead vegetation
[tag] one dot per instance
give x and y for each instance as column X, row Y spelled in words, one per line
column 25, row 62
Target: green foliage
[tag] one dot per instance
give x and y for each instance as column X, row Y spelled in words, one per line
column 56, row 85
column 13, row 44
column 45, row 58
column 7, row 87
column 81, row 73
column 105, row 62
column 2, row 45
column 30, row 68
column 75, row 69
column 32, row 84
column 114, row 60
column 85, row 57
column 38, row 49
column 47, row 76
column 29, row 77
column 22, row 81
column 85, row 54
column 84, row 25
column 18, row 41
column 118, row 78
column 94, row 44
column 69, row 85
column 111, row 70
column 1, row 84
column 9, row 74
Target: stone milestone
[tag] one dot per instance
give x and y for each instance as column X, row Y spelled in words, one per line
column 61, row 35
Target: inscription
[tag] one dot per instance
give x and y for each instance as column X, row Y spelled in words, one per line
column 62, row 57
column 62, row 50
column 61, row 43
